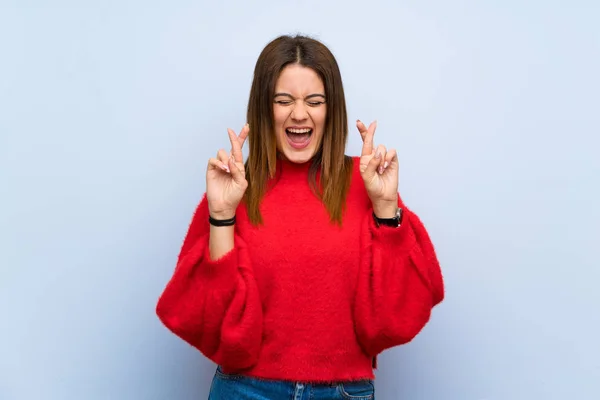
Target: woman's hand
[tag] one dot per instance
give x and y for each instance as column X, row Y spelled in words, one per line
column 226, row 178
column 379, row 170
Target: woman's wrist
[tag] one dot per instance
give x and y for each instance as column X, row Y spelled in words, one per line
column 222, row 215
column 385, row 210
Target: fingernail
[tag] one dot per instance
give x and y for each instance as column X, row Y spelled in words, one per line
column 385, row 165
column 378, row 155
column 225, row 168
column 380, row 170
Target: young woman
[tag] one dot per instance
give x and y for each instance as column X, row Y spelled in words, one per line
column 300, row 264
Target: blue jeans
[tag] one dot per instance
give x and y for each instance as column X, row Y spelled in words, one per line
column 239, row 387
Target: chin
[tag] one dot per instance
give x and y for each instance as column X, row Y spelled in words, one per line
column 298, row 157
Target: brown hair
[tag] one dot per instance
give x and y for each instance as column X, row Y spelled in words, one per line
column 334, row 166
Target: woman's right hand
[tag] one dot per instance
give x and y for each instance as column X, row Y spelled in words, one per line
column 226, row 178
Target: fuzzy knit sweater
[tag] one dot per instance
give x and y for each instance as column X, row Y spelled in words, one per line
column 300, row 298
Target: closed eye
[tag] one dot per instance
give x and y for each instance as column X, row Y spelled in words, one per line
column 289, row 102
column 312, row 100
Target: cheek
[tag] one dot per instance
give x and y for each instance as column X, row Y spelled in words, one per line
column 279, row 115
column 319, row 118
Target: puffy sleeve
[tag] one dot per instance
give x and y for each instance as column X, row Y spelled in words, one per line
column 213, row 305
column 399, row 283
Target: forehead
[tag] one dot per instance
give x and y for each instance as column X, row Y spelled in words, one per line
column 299, row 81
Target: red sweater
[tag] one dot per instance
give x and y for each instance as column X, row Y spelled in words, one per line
column 299, row 298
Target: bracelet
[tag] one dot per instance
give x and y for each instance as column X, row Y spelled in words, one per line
column 221, row 222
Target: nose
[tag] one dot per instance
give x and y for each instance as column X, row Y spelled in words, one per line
column 299, row 113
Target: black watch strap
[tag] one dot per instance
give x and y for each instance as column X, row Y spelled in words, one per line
column 393, row 222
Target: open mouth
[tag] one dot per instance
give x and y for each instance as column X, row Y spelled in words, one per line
column 299, row 138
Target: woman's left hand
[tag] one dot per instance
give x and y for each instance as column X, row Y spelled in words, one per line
column 379, row 170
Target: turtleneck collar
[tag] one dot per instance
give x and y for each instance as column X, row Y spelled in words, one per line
column 290, row 170
column 289, row 166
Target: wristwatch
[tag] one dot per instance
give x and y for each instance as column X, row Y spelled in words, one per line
column 393, row 222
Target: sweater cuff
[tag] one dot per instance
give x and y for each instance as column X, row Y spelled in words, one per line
column 222, row 269
column 401, row 238
column 219, row 272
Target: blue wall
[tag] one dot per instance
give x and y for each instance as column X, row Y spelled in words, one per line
column 109, row 112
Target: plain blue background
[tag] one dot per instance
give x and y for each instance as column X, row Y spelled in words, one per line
column 109, row 111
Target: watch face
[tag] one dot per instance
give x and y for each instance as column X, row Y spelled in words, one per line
column 396, row 220
column 399, row 214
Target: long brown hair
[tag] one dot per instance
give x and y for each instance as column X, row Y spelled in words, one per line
column 331, row 170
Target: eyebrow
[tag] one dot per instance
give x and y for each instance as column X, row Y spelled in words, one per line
column 310, row 96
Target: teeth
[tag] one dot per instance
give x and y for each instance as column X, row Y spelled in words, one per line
column 299, row 131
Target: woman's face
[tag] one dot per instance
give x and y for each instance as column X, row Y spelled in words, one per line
column 299, row 112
